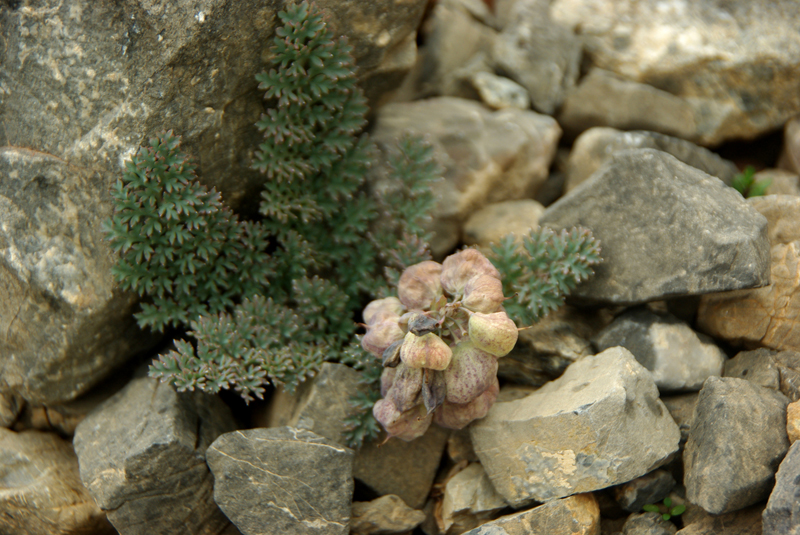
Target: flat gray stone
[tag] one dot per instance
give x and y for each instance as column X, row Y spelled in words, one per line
column 600, row 424
column 575, row 515
column 679, row 358
column 142, row 457
column 737, row 440
column 665, row 229
column 282, row 480
column 782, row 515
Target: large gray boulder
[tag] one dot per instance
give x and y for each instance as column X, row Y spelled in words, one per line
column 600, row 424
column 665, row 229
column 282, row 480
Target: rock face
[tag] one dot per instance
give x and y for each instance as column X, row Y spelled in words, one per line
column 42, row 493
column 765, row 317
column 737, row 440
column 744, row 522
column 469, row 500
column 384, row 515
column 269, row 481
column 599, row 424
column 494, row 221
column 489, row 156
column 732, row 65
column 779, row 370
column 665, row 228
column 576, row 515
column 596, row 145
column 782, row 515
column 648, row 524
column 142, row 457
column 678, row 358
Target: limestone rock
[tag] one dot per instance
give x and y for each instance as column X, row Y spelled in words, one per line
column 678, row 358
column 494, row 221
column 599, row 424
column 780, row 182
column 499, row 92
column 711, row 56
column 376, row 464
column 489, row 156
column 575, row 515
column 779, row 370
column 649, row 488
column 681, row 408
column 319, row 405
column 736, row 442
column 665, row 228
column 271, row 481
column 538, row 52
column 142, row 457
column 744, row 522
column 793, row 421
column 648, row 524
column 790, row 153
column 42, row 493
column 469, row 500
column 384, row 516
column 782, row 515
column 594, row 146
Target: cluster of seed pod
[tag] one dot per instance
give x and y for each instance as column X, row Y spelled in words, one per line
column 439, row 341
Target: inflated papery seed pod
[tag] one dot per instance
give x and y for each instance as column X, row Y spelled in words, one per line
column 426, row 351
column 389, row 308
column 494, row 333
column 420, row 285
column 460, row 268
column 455, row 416
column 406, row 425
column 470, row 373
column 380, row 336
column 387, row 380
column 406, row 388
column 483, row 294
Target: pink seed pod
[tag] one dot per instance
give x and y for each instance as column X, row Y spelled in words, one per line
column 458, row 269
column 387, row 379
column 470, row 373
column 406, row 425
column 426, row 351
column 455, row 416
column 494, row 333
column 483, row 294
column 379, row 310
column 406, row 388
column 420, row 285
column 380, row 336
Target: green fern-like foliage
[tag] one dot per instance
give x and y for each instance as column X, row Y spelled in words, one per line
column 746, row 184
column 177, row 243
column 541, row 272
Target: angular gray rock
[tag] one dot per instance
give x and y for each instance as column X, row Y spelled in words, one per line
column 540, row 53
column 594, row 146
column 737, row 440
column 319, row 405
column 649, row 488
column 469, row 500
column 488, row 156
column 376, row 465
column 648, row 524
column 782, row 515
column 779, row 370
column 282, row 480
column 575, row 515
column 679, row 358
column 743, row 522
column 499, row 92
column 384, row 516
column 40, row 489
column 710, row 55
column 681, row 408
column 142, row 457
column 665, row 228
column 599, row 424
column 494, row 221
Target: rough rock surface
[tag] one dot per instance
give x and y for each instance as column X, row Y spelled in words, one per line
column 319, row 405
column 768, row 316
column 648, row 524
column 269, row 481
column 599, row 424
column 142, row 457
column 744, row 522
column 678, row 358
column 494, row 221
column 489, row 156
column 793, row 421
column 40, row 490
column 376, row 464
column 737, row 440
column 383, row 516
column 649, row 488
column 470, row 500
column 594, row 146
column 681, row 408
column 782, row 515
column 499, row 92
column 734, row 64
column 779, row 370
column 666, row 229
column 575, row 515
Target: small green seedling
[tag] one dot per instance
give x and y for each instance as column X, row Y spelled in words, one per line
column 666, row 510
column 748, row 186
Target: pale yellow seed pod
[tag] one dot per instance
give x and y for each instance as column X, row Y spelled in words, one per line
column 427, row 351
column 420, row 285
column 483, row 294
column 494, row 333
column 458, row 269
column 383, row 309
